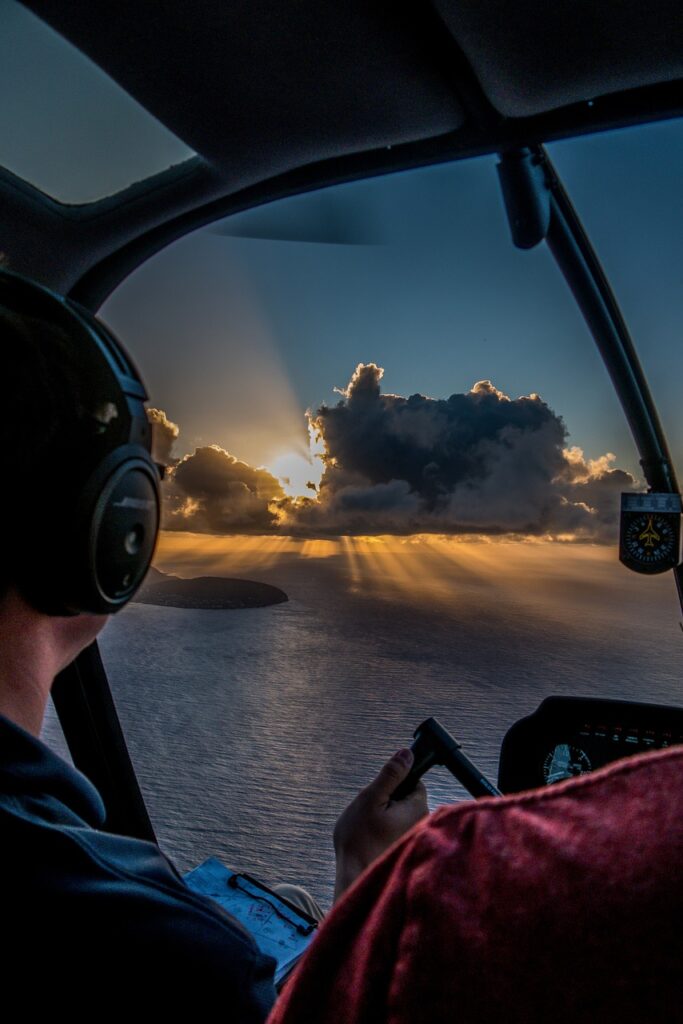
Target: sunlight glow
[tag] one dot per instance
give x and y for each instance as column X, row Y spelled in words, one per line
column 380, row 556
column 432, row 567
column 193, row 554
column 296, row 470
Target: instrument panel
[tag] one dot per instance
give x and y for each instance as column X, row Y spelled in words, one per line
column 569, row 736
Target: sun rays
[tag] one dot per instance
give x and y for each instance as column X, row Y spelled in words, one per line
column 431, row 569
column 575, row 587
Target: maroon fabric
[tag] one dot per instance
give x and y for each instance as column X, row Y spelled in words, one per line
column 557, row 905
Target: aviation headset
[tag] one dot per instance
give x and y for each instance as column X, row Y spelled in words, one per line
column 87, row 526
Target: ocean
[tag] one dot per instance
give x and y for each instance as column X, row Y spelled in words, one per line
column 250, row 730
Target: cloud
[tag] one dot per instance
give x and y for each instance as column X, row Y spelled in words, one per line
column 597, row 485
column 478, row 462
column 211, row 491
column 164, row 434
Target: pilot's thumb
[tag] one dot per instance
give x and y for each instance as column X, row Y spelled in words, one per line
column 393, row 773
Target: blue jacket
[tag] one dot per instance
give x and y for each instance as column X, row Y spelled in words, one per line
column 84, row 911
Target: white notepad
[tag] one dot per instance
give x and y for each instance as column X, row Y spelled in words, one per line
column 279, row 929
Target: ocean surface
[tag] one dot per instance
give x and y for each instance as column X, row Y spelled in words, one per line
column 251, row 730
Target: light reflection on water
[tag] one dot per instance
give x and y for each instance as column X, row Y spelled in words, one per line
column 251, row 730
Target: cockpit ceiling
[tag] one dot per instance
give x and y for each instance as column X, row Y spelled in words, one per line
column 259, row 87
column 533, row 57
column 277, row 96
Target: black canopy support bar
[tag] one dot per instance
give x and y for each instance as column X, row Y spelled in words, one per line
column 538, row 207
column 575, row 256
column 93, row 733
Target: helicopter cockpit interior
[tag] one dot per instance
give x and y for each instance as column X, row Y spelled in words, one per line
column 339, row 241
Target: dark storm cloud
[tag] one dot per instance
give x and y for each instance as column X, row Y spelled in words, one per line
column 477, row 463
column 433, row 445
column 473, row 463
column 210, row 491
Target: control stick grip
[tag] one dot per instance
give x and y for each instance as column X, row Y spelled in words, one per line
column 435, row 745
column 424, row 758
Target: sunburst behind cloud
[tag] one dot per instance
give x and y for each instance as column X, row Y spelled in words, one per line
column 474, row 463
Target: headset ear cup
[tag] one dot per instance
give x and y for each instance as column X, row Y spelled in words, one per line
column 124, row 532
column 116, row 531
column 95, row 551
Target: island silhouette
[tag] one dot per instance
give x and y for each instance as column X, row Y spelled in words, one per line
column 210, row 592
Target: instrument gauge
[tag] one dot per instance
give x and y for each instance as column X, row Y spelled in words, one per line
column 650, row 540
column 650, row 531
column 565, row 762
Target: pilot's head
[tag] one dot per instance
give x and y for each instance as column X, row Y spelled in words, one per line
column 80, row 511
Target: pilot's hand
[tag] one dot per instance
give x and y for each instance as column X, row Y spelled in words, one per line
column 373, row 822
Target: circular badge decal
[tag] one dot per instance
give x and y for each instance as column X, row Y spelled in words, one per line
column 650, row 532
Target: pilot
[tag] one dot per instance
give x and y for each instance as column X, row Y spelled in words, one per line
column 86, row 913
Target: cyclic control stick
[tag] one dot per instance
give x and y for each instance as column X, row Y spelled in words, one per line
column 435, row 745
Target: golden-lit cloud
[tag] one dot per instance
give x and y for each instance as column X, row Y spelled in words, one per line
column 478, row 463
column 210, row 491
column 164, row 434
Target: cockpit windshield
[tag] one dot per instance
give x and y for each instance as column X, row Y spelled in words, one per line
column 397, row 429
